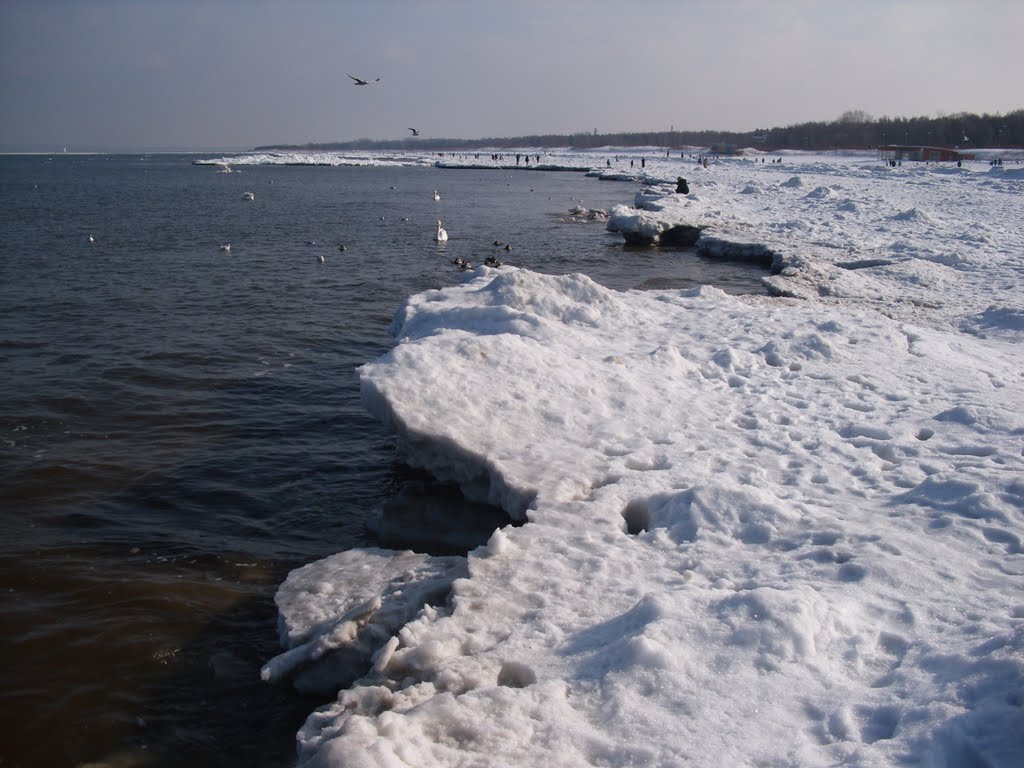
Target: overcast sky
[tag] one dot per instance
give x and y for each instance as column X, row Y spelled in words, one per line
column 203, row 74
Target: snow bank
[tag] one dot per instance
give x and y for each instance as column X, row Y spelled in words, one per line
column 299, row 157
column 759, row 531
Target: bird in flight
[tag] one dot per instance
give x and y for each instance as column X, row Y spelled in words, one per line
column 414, row 132
column 360, row 81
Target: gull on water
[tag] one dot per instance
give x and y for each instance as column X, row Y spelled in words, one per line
column 248, row 196
column 442, row 235
column 226, row 247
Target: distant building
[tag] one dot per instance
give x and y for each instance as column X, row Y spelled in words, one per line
column 914, row 152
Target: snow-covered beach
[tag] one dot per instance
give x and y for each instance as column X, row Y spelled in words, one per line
column 759, row 530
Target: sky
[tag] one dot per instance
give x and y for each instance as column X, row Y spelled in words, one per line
column 215, row 74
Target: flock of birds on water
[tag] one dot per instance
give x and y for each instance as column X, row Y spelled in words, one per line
column 440, row 235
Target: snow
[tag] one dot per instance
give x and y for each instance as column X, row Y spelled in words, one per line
column 759, row 530
column 296, row 157
column 340, row 610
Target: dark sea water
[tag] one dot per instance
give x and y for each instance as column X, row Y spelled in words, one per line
column 180, row 426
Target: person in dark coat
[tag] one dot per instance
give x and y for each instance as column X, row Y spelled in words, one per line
column 682, row 187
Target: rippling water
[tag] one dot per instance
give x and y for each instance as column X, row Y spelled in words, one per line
column 180, row 426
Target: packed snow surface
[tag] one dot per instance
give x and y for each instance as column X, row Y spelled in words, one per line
column 775, row 530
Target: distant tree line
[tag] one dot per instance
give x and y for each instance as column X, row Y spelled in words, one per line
column 857, row 130
column 853, row 129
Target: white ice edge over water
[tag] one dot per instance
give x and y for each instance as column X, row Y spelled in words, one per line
column 761, row 530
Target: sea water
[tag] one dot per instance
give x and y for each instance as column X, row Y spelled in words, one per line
column 180, row 423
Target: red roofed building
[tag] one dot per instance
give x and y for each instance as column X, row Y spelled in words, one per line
column 901, row 152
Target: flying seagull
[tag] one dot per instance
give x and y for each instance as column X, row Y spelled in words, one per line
column 363, row 82
column 414, row 132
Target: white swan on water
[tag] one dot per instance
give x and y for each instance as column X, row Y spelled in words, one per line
column 441, row 235
column 436, row 196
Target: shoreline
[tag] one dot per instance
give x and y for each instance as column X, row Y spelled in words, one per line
column 783, row 523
